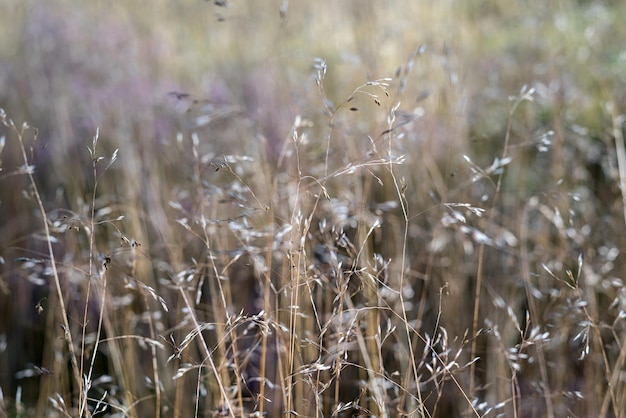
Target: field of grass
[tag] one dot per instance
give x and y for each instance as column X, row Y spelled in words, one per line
column 312, row 209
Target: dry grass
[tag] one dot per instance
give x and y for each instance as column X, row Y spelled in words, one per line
column 312, row 209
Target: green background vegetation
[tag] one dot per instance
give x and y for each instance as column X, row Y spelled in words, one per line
column 325, row 208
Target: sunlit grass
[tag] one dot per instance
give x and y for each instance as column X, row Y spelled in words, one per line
column 312, row 209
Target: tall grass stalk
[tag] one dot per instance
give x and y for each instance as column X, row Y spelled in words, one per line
column 28, row 170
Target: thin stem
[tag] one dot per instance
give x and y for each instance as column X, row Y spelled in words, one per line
column 525, row 94
column 55, row 273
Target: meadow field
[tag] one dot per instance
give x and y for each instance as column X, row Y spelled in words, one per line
column 358, row 208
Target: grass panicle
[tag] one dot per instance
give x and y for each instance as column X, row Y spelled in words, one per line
column 312, row 209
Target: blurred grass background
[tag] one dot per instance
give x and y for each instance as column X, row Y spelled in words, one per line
column 176, row 86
